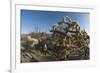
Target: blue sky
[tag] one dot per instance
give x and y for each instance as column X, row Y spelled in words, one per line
column 44, row 20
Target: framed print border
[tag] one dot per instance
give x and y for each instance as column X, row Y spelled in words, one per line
column 16, row 66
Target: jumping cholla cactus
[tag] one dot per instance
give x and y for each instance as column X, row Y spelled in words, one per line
column 69, row 36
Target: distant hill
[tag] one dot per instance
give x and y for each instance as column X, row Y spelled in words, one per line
column 39, row 35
